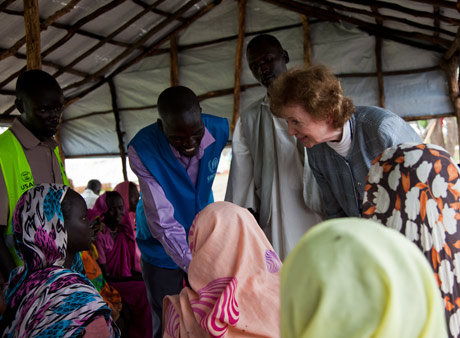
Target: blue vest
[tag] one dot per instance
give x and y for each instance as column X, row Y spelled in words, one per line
column 153, row 149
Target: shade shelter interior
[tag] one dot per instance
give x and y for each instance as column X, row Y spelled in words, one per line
column 114, row 57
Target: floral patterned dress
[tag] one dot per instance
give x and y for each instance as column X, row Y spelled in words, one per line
column 415, row 189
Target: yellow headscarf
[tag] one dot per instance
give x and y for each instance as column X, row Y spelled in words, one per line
column 355, row 278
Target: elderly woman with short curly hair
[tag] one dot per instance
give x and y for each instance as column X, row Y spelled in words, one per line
column 341, row 139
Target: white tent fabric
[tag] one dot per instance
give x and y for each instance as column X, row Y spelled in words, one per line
column 89, row 126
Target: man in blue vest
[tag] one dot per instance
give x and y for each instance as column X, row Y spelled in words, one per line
column 176, row 161
column 28, row 152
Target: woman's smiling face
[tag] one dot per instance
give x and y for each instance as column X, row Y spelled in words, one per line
column 308, row 130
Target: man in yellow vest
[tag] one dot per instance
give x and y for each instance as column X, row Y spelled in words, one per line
column 28, row 153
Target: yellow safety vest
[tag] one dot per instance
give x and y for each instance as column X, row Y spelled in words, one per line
column 18, row 178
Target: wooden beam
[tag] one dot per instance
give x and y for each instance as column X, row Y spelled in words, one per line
column 69, row 27
column 398, row 8
column 320, row 13
column 378, row 60
column 5, row 4
column 44, row 25
column 7, row 119
column 454, row 47
column 436, row 21
column 427, row 117
column 235, row 37
column 32, row 27
column 154, row 10
column 307, row 59
column 127, row 52
column 83, row 21
column 108, row 38
column 450, row 68
column 120, row 134
column 447, row 4
column 202, row 97
column 174, row 61
column 144, row 54
column 238, row 62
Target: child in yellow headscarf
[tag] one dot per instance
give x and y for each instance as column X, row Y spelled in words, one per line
column 355, row 278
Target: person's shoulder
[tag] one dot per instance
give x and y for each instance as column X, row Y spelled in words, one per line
column 373, row 114
column 213, row 122
column 252, row 109
column 143, row 133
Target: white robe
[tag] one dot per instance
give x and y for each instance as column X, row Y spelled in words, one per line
column 270, row 174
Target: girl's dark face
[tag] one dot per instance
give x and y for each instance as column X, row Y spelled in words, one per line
column 116, row 210
column 75, row 221
column 133, row 197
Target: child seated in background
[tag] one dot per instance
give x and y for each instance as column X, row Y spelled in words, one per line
column 130, row 194
column 45, row 297
column 116, row 248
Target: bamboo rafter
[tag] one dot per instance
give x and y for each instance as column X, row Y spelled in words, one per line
column 146, row 53
column 69, row 27
column 120, row 134
column 174, row 61
column 238, row 62
column 139, row 42
column 378, row 59
column 386, row 32
column 307, row 59
column 44, row 25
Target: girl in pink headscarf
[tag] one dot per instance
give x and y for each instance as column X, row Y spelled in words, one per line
column 130, row 194
column 116, row 248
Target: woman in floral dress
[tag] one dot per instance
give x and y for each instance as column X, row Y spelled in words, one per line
column 415, row 189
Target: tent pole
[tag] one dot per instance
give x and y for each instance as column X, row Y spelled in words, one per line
column 116, row 113
column 238, row 62
column 32, row 25
column 307, row 59
column 174, row 60
column 450, row 63
column 378, row 59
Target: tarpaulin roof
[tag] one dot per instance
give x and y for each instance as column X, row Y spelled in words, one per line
column 113, row 58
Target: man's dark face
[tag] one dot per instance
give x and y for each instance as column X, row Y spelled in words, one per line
column 185, row 134
column 42, row 110
column 266, row 62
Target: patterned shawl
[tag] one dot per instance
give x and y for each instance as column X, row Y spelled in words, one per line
column 44, row 299
column 415, row 189
column 349, row 277
column 234, row 276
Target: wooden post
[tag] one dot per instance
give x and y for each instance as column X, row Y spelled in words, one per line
column 450, row 63
column 378, row 60
column 307, row 59
column 32, row 25
column 174, row 60
column 238, row 62
column 116, row 113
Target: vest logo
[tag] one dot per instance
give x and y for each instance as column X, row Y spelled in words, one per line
column 26, row 186
column 26, row 176
column 213, row 164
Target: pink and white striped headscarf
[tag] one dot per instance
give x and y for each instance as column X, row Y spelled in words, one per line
column 234, row 276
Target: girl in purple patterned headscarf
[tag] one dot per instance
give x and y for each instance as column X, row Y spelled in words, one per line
column 415, row 189
column 45, row 298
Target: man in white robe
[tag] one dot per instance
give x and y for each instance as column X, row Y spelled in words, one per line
column 269, row 172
